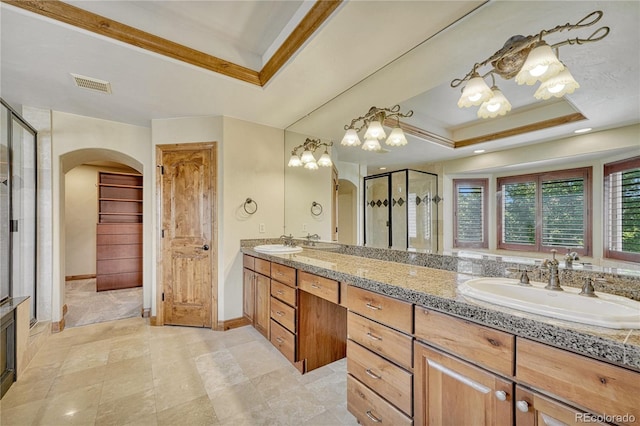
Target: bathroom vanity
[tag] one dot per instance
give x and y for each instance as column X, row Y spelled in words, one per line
column 419, row 352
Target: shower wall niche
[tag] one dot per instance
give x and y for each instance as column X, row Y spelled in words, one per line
column 401, row 211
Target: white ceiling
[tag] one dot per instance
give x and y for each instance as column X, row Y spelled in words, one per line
column 367, row 53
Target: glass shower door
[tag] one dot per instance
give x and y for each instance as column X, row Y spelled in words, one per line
column 377, row 212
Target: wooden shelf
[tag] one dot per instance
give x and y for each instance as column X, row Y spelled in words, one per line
column 119, row 229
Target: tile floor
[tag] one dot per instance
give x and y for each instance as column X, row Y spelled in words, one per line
column 126, row 372
column 87, row 306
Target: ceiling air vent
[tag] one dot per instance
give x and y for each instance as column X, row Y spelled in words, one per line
column 92, row 83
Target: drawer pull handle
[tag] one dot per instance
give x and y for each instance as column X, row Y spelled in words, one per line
column 372, row 417
column 315, row 286
column 501, row 395
column 280, row 313
column 280, row 292
column 279, row 340
column 375, row 308
column 372, row 374
column 522, row 406
column 280, row 274
column 373, row 336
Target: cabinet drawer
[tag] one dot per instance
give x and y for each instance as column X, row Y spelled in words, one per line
column 319, row 286
column 480, row 345
column 387, row 310
column 284, row 340
column 369, row 408
column 284, row 274
column 248, row 262
column 387, row 379
column 284, row 314
column 283, row 292
column 263, row 267
column 382, row 340
column 594, row 385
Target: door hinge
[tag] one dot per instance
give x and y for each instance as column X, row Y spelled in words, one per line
column 163, row 296
column 161, row 169
column 13, row 226
column 162, row 233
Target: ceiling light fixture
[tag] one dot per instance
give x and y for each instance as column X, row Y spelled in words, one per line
column 530, row 60
column 373, row 121
column 307, row 159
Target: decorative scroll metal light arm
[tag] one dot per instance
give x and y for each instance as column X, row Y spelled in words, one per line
column 310, row 145
column 515, row 50
column 377, row 114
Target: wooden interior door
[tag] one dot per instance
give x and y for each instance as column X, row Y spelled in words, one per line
column 188, row 243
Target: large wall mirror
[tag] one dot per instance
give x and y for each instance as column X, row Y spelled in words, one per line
column 536, row 136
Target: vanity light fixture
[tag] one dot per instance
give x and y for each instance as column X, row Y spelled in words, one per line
column 373, row 122
column 307, row 159
column 530, row 60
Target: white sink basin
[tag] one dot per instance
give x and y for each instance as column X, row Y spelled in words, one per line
column 606, row 310
column 277, row 249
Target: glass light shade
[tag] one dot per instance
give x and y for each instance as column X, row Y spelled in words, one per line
column 396, row 138
column 325, row 160
column 311, row 165
column 375, row 131
column 475, row 92
column 540, row 65
column 307, row 157
column 497, row 105
column 371, row 145
column 351, row 138
column 294, row 161
column 557, row 86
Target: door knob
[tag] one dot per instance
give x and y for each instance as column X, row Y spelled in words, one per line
column 501, row 395
column 205, row 247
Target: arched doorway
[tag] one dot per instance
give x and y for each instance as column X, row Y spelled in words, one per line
column 83, row 253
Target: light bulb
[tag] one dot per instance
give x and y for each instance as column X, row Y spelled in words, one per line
column 371, row 145
column 351, row 138
column 474, row 93
column 294, row 161
column 493, row 107
column 307, row 157
column 539, row 70
column 475, row 97
column 497, row 105
column 540, row 65
column 396, row 138
column 375, row 131
column 325, row 160
column 556, row 88
column 311, row 165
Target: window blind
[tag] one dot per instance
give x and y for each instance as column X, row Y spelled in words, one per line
column 563, row 221
column 519, row 213
column 622, row 209
column 470, row 205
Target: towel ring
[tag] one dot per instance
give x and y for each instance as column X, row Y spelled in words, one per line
column 248, row 202
column 316, row 209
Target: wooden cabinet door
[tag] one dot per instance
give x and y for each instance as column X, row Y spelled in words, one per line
column 249, row 291
column 263, row 305
column 533, row 409
column 451, row 392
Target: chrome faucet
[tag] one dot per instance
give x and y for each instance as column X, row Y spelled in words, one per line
column 552, row 266
column 522, row 275
column 288, row 240
column 587, row 288
column 312, row 238
column 570, row 257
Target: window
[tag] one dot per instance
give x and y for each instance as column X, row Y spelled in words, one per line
column 470, row 210
column 545, row 211
column 622, row 210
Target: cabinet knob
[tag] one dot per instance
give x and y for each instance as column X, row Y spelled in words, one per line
column 522, row 406
column 501, row 395
column 205, row 247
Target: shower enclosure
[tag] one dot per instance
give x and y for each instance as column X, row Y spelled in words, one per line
column 401, row 211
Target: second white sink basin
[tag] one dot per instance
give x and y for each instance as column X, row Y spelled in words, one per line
column 606, row 310
column 277, row 249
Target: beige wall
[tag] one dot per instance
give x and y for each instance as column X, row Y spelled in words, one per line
column 593, row 149
column 77, row 140
column 81, row 216
column 250, row 164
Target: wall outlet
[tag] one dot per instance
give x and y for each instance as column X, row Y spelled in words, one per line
column 262, row 228
column 304, row 227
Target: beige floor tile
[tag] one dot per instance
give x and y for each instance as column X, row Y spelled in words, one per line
column 76, row 407
column 205, row 346
column 128, row 367
column 255, row 359
column 193, row 413
column 278, row 383
column 20, row 415
column 121, row 386
column 299, row 406
column 79, row 379
column 326, row 418
column 131, row 347
column 119, row 411
column 24, row 392
column 240, row 402
column 171, row 392
column 219, row 370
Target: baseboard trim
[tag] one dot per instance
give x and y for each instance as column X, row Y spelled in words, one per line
column 57, row 327
column 232, row 323
column 79, row 277
column 153, row 321
column 146, row 312
column 64, row 310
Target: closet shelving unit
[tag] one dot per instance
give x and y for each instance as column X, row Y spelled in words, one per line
column 119, row 231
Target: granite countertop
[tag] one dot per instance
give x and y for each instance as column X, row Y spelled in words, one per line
column 10, row 304
column 437, row 289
